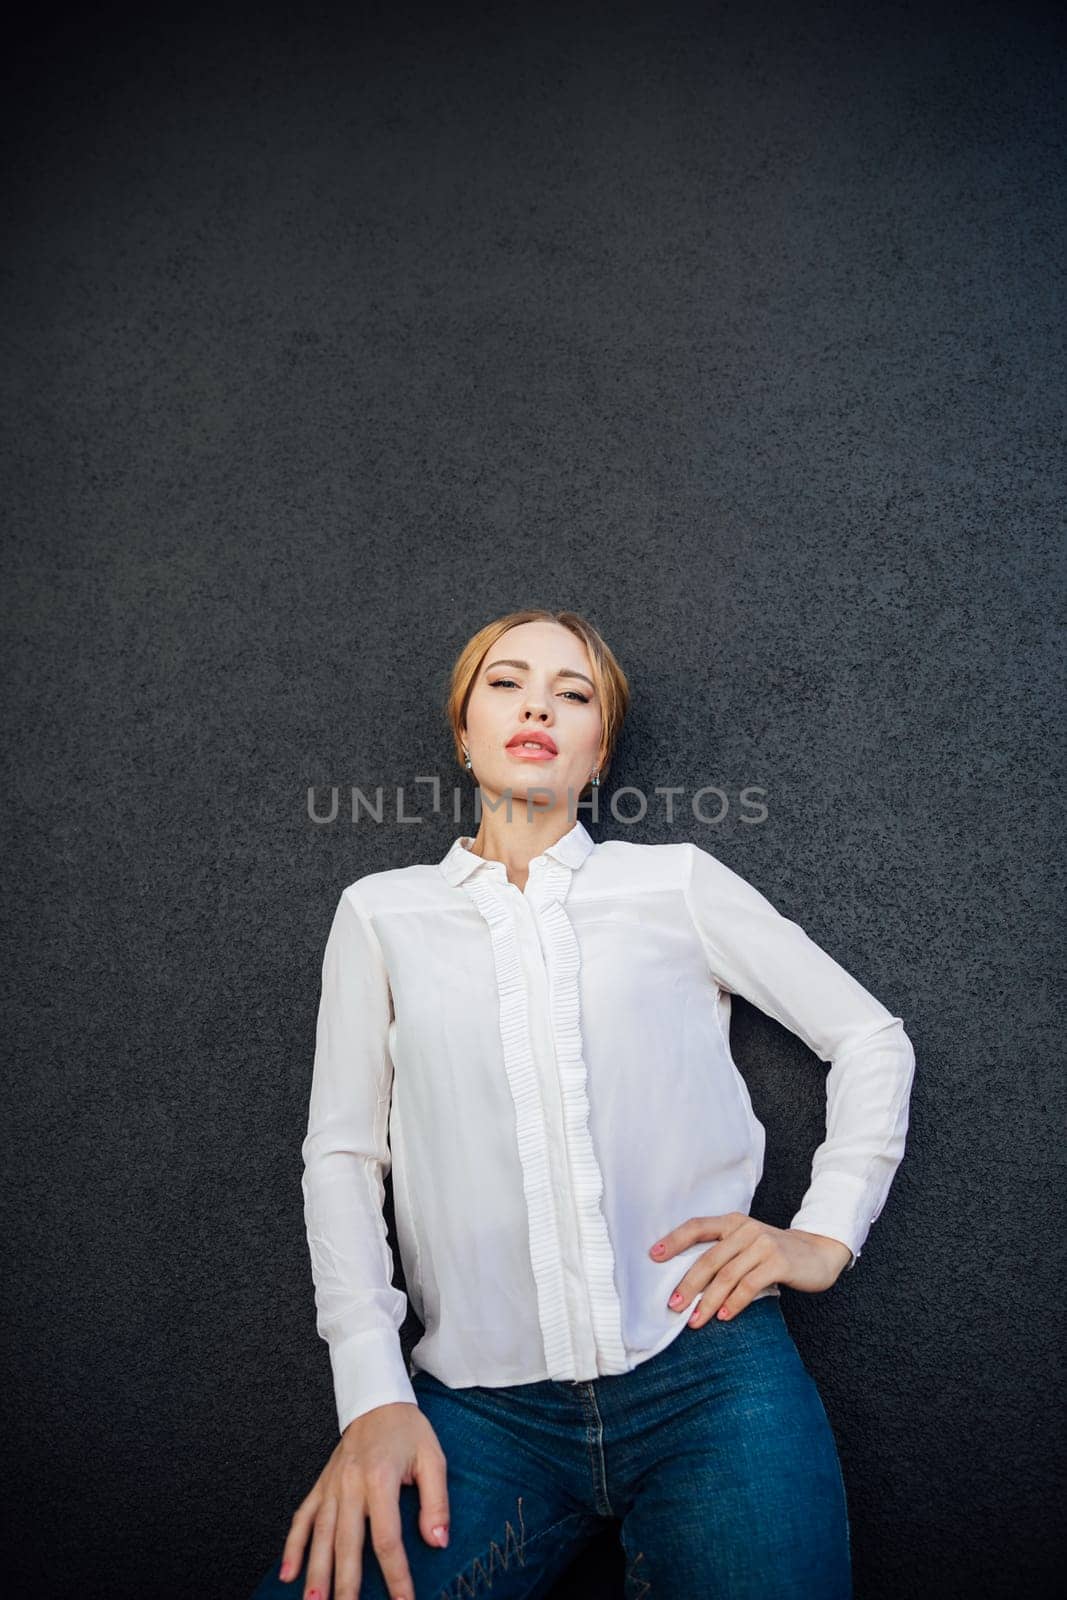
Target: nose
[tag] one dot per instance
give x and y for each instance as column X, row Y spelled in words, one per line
column 535, row 707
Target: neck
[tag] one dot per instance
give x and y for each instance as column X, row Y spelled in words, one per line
column 518, row 841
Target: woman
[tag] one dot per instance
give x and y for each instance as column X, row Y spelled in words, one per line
column 533, row 1033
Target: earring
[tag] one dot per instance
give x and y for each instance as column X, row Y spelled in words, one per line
column 467, row 754
column 595, row 780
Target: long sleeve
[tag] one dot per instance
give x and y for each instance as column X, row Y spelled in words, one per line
column 754, row 951
column 346, row 1159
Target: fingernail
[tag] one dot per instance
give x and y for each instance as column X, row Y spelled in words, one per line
column 724, row 1311
column 675, row 1299
column 440, row 1534
column 283, row 1572
column 657, row 1249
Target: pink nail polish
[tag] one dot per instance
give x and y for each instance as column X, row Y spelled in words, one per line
column 657, row 1249
column 440, row 1534
column 675, row 1299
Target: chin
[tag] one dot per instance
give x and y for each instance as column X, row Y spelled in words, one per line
column 522, row 786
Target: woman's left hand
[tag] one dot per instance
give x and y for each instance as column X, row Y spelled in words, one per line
column 749, row 1256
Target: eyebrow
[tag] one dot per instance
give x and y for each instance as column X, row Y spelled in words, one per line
column 524, row 666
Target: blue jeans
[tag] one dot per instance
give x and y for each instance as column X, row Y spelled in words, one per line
column 714, row 1458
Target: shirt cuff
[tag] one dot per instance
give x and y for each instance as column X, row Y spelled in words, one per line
column 369, row 1370
column 836, row 1206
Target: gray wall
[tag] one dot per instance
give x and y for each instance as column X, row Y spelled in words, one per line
column 737, row 328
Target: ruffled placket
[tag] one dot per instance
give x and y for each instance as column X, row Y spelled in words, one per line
column 547, row 891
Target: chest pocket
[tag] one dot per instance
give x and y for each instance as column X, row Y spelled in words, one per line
column 614, row 916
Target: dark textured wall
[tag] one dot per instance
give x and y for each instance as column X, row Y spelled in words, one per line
column 328, row 338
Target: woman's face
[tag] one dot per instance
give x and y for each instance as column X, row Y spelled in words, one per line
column 536, row 680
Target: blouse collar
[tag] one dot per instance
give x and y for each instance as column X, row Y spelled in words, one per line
column 571, row 850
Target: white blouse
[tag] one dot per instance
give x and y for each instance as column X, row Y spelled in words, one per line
column 548, row 1072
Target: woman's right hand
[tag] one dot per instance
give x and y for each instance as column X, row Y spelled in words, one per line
column 379, row 1451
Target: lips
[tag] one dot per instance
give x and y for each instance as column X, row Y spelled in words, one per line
column 540, row 739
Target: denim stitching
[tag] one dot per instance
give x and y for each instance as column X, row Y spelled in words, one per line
column 594, row 1441
column 633, row 1579
column 513, row 1546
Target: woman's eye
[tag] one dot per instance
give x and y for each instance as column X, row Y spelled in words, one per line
column 500, row 683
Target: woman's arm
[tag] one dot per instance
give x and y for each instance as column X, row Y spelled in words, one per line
column 754, row 951
column 346, row 1159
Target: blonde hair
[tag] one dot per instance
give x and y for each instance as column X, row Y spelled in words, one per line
column 612, row 686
